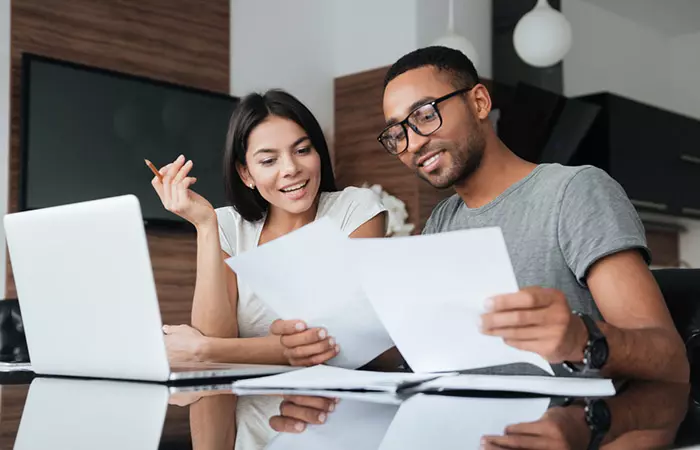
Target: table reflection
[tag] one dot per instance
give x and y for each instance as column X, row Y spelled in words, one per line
column 81, row 414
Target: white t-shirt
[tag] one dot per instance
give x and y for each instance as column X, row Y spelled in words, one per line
column 349, row 209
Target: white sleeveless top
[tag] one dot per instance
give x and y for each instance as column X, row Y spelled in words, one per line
column 349, row 209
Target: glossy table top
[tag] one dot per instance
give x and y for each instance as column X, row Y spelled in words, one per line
column 89, row 414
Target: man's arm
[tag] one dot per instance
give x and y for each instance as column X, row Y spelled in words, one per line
column 642, row 339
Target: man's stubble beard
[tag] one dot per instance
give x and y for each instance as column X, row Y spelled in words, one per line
column 466, row 160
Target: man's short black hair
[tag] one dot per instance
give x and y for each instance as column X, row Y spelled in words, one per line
column 454, row 63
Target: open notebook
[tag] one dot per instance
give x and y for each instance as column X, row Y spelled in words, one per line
column 338, row 379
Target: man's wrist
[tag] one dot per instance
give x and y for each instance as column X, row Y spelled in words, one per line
column 580, row 339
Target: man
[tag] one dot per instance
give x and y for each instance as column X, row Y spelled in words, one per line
column 574, row 238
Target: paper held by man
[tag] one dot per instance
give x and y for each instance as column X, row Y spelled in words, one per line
column 413, row 292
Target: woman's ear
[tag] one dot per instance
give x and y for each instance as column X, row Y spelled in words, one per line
column 245, row 175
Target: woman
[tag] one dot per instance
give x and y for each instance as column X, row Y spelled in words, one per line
column 278, row 178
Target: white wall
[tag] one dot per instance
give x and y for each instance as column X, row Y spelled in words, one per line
column 685, row 73
column 612, row 53
column 285, row 44
column 472, row 20
column 4, row 126
column 368, row 34
column 307, row 43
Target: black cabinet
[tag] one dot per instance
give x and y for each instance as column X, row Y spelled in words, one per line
column 653, row 153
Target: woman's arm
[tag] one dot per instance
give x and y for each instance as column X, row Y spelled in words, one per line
column 257, row 350
column 214, row 311
column 214, row 308
column 213, row 422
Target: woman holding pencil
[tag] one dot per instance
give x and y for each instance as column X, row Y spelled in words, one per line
column 278, row 178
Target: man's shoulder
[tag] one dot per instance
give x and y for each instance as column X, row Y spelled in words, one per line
column 560, row 176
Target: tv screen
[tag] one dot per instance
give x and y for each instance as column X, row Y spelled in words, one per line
column 87, row 131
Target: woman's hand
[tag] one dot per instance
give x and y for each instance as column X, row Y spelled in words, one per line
column 184, row 343
column 297, row 411
column 302, row 346
column 177, row 197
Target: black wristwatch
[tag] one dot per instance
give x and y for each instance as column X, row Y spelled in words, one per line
column 599, row 419
column 595, row 353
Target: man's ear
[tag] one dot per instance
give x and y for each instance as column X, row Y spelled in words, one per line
column 482, row 101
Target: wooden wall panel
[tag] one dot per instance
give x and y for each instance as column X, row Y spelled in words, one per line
column 180, row 41
column 359, row 158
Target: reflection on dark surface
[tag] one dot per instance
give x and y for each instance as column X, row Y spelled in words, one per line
column 79, row 414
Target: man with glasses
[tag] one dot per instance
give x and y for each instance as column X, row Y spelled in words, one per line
column 577, row 245
column 589, row 302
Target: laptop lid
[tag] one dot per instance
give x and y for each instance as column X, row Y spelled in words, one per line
column 85, row 286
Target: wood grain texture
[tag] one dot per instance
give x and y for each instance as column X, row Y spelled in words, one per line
column 665, row 247
column 359, row 158
column 180, row 41
column 12, row 398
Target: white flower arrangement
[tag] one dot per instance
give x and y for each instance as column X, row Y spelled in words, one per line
column 397, row 214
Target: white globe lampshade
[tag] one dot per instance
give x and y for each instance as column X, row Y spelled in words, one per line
column 542, row 37
column 457, row 42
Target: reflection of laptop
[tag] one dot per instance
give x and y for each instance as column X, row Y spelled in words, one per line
column 88, row 299
column 89, row 414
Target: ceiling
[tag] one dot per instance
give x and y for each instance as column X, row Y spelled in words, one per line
column 669, row 17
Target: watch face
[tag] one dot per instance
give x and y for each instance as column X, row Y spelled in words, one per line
column 599, row 415
column 598, row 354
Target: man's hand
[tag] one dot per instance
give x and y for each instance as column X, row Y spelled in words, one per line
column 559, row 428
column 537, row 320
column 183, row 343
column 302, row 346
column 296, row 411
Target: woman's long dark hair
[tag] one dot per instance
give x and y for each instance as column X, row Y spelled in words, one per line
column 252, row 111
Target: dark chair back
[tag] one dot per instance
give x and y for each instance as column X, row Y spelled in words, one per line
column 681, row 290
column 13, row 344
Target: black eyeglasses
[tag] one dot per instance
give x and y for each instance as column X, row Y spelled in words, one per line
column 423, row 120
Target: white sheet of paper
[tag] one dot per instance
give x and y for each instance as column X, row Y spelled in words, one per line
column 331, row 378
column 354, row 425
column 558, row 386
column 424, row 421
column 307, row 275
column 429, row 292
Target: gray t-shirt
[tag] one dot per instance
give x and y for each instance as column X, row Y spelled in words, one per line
column 557, row 222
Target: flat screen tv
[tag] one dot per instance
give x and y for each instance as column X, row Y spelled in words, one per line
column 85, row 133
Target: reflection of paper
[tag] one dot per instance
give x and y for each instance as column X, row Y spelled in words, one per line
column 387, row 398
column 89, row 414
column 331, row 378
column 429, row 292
column 306, row 275
column 354, row 425
column 558, row 386
column 435, row 421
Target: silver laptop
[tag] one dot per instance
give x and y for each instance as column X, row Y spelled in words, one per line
column 88, row 299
